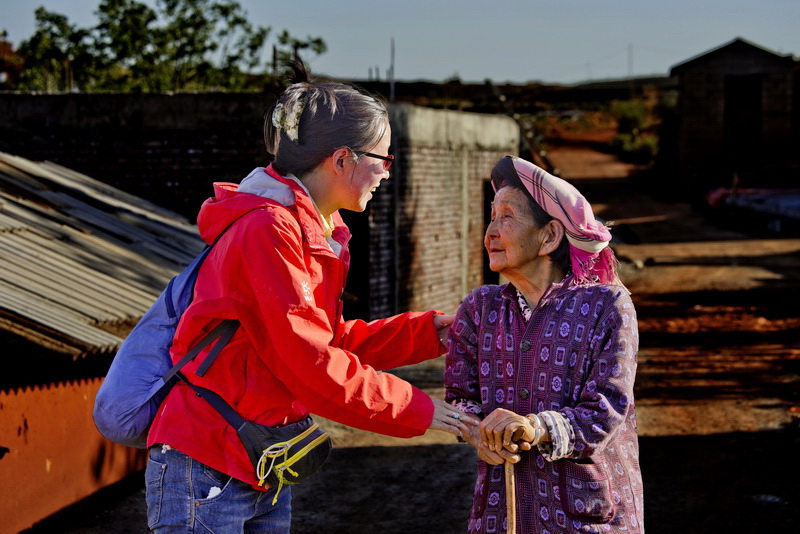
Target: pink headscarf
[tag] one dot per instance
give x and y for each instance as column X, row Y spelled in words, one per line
column 592, row 258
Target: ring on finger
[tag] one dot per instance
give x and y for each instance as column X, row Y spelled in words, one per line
column 455, row 416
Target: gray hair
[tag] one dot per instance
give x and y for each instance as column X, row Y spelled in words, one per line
column 334, row 115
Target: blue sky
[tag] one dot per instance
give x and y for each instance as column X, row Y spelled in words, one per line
column 557, row 41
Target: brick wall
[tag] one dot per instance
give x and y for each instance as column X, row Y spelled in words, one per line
column 419, row 244
column 435, row 208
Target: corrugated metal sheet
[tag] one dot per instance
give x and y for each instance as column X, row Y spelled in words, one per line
column 78, row 258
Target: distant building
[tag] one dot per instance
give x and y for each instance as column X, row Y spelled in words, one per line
column 739, row 113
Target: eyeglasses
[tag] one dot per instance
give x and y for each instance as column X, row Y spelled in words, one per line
column 387, row 160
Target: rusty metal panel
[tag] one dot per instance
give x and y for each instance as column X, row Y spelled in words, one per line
column 52, row 454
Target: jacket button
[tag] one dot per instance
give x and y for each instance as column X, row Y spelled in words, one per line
column 525, row 345
column 524, row 393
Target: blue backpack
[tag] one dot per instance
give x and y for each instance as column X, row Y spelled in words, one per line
column 142, row 372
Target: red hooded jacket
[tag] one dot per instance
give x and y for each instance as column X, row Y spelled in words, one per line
column 276, row 273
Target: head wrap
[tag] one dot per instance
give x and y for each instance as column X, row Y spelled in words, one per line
column 591, row 257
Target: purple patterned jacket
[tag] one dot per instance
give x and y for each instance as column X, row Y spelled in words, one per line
column 577, row 356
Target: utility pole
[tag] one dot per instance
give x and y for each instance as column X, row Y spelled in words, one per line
column 630, row 60
column 630, row 71
column 391, row 74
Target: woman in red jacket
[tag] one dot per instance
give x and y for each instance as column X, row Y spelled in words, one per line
column 280, row 269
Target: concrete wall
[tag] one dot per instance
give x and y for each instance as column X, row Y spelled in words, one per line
column 165, row 148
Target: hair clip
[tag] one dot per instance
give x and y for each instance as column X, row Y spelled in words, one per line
column 289, row 120
column 277, row 115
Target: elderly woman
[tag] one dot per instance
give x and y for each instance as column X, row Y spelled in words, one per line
column 548, row 360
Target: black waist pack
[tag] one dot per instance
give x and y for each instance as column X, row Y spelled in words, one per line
column 285, row 455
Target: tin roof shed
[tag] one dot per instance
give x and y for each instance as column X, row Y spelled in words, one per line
column 80, row 262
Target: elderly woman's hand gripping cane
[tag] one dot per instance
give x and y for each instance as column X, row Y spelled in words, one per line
column 504, row 433
column 505, row 430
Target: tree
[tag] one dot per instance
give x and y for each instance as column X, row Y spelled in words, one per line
column 58, row 55
column 292, row 47
column 125, row 45
column 180, row 45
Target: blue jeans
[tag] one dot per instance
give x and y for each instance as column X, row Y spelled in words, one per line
column 186, row 496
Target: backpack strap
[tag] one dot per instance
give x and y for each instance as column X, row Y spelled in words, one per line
column 224, row 330
column 223, row 333
column 219, row 404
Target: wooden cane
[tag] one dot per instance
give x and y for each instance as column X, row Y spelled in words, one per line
column 511, row 499
column 511, row 491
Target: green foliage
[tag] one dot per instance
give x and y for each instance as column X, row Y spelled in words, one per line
column 56, row 50
column 632, row 116
column 636, row 148
column 292, row 48
column 637, row 139
column 181, row 45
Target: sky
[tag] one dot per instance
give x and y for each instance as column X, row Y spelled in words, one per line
column 517, row 41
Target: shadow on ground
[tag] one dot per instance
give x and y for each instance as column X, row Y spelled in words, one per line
column 732, row 483
column 736, row 483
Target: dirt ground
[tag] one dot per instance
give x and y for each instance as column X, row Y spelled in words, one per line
column 718, row 390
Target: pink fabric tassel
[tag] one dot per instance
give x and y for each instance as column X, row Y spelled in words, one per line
column 599, row 267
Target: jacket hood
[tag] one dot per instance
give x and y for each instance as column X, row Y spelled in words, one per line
column 231, row 201
column 260, row 183
column 261, row 188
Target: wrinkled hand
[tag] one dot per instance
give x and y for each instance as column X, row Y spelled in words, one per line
column 505, row 430
column 444, row 421
column 490, row 457
column 442, row 324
